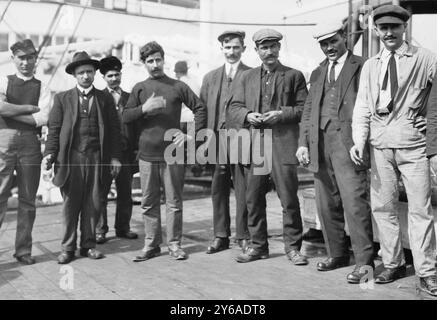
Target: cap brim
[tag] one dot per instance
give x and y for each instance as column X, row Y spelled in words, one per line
column 220, row 37
column 389, row 19
column 268, row 39
column 326, row 36
column 24, row 52
column 70, row 67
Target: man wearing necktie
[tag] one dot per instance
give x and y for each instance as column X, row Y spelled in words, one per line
column 84, row 144
column 24, row 109
column 386, row 112
column 324, row 142
column 215, row 92
column 110, row 68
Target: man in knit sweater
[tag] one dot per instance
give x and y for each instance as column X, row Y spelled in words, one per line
column 155, row 104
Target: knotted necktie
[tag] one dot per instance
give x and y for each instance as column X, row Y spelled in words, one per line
column 85, row 105
column 392, row 72
column 332, row 72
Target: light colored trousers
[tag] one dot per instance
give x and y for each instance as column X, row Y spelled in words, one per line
column 171, row 177
column 412, row 165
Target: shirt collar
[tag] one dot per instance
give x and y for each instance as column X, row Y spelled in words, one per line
column 235, row 66
column 264, row 71
column 87, row 90
column 403, row 50
column 117, row 90
column 20, row 76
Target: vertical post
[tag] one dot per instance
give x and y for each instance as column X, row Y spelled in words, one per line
column 350, row 44
column 409, row 32
column 365, row 48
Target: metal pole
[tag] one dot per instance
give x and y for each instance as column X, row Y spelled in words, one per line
column 365, row 48
column 409, row 32
column 350, row 44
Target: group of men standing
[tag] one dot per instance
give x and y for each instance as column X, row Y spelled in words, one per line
column 356, row 114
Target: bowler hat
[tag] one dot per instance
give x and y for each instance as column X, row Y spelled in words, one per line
column 390, row 13
column 266, row 35
column 226, row 33
column 81, row 58
column 26, row 46
column 110, row 63
column 181, row 66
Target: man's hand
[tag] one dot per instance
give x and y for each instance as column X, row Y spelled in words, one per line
column 179, row 138
column 254, row 118
column 153, row 105
column 272, row 117
column 47, row 162
column 115, row 167
column 420, row 123
column 303, row 156
column 356, row 154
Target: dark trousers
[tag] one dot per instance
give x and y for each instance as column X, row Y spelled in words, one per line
column 82, row 199
column 123, row 211
column 220, row 191
column 285, row 178
column 341, row 193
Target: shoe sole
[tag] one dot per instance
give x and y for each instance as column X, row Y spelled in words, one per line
column 337, row 267
column 66, row 262
column 140, row 259
column 420, row 288
column 259, row 258
column 391, row 280
column 208, row 251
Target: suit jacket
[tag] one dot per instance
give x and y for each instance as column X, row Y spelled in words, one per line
column 309, row 127
column 63, row 118
column 210, row 90
column 431, row 127
column 289, row 95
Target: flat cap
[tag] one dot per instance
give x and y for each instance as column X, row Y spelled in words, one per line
column 266, row 35
column 26, row 46
column 181, row 66
column 390, row 13
column 226, row 33
column 327, row 29
column 110, row 63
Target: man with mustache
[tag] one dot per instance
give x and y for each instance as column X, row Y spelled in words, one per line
column 24, row 109
column 215, row 92
column 324, row 143
column 270, row 98
column 155, row 104
column 392, row 95
column 110, row 68
column 84, row 144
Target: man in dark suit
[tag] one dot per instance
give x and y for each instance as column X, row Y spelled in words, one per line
column 110, row 67
column 215, row 92
column 83, row 142
column 324, row 144
column 270, row 99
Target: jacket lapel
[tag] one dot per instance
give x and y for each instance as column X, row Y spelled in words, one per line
column 98, row 102
column 278, row 83
column 349, row 69
column 255, row 85
column 320, row 82
column 216, row 84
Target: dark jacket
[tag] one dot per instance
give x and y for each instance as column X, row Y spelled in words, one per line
column 289, row 95
column 62, row 119
column 309, row 126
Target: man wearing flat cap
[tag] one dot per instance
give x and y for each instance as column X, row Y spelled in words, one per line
column 24, row 108
column 216, row 90
column 84, row 144
column 324, row 143
column 391, row 101
column 271, row 98
column 110, row 68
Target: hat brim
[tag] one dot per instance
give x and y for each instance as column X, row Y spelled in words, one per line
column 73, row 65
column 268, row 39
column 326, row 36
column 389, row 19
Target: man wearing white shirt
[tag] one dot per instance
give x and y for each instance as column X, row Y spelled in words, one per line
column 324, row 143
column 24, row 108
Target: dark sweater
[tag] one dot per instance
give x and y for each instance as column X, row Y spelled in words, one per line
column 151, row 143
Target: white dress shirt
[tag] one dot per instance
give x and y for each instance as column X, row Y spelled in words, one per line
column 338, row 66
column 86, row 91
column 234, row 68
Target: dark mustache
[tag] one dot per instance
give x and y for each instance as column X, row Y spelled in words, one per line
column 389, row 38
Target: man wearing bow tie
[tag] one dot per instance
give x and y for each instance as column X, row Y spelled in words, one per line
column 24, row 109
column 110, row 68
column 83, row 143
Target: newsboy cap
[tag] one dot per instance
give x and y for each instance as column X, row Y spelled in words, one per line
column 327, row 29
column 81, row 58
column 181, row 66
column 226, row 33
column 110, row 63
column 266, row 35
column 390, row 13
column 26, row 46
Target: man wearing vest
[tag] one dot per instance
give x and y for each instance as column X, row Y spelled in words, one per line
column 215, row 94
column 110, row 68
column 392, row 94
column 324, row 143
column 24, row 108
column 83, row 143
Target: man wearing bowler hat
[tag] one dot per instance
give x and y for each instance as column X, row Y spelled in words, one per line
column 110, row 68
column 324, row 143
column 391, row 98
column 24, row 109
column 270, row 98
column 83, row 143
column 216, row 91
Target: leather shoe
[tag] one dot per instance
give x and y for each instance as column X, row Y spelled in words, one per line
column 127, row 235
column 428, row 284
column 252, row 254
column 313, row 235
column 333, row 263
column 100, row 238
column 297, row 258
column 390, row 275
column 359, row 273
column 219, row 244
column 25, row 259
column 149, row 254
column 243, row 244
column 66, row 257
column 91, row 253
column 177, row 253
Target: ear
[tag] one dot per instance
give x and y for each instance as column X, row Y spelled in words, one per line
column 244, row 49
